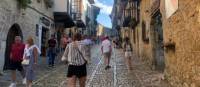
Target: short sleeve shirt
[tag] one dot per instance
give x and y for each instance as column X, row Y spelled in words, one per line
column 106, row 44
column 17, row 51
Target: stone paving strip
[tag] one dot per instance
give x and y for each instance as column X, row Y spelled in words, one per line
column 120, row 76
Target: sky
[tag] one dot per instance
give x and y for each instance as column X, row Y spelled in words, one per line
column 106, row 9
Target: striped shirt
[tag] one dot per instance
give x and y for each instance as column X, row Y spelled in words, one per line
column 74, row 53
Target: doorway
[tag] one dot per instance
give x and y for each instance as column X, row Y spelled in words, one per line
column 13, row 31
column 44, row 41
column 158, row 49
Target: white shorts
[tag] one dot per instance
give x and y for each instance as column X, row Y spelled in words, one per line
column 128, row 54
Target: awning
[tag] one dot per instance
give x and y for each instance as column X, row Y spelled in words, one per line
column 63, row 17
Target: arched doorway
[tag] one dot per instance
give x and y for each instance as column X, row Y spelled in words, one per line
column 13, row 31
column 157, row 41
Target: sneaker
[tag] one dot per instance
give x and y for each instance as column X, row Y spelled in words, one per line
column 12, row 85
column 24, row 81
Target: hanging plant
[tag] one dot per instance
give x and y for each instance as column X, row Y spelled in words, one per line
column 24, row 3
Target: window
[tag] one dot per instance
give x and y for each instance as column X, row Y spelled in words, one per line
column 76, row 9
column 134, row 36
column 144, row 33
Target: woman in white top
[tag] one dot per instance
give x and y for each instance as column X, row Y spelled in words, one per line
column 128, row 52
column 77, row 63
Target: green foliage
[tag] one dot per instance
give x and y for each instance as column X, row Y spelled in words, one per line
column 24, row 3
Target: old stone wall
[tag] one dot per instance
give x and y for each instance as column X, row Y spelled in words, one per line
column 182, row 65
column 183, row 28
column 11, row 14
column 145, row 48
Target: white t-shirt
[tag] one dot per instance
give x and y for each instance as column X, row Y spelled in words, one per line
column 106, row 44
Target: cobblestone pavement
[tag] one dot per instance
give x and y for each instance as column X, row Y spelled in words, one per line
column 117, row 76
column 120, row 76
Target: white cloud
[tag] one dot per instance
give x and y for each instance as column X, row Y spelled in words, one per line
column 106, row 9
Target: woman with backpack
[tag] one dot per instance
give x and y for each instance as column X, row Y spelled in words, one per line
column 74, row 57
column 128, row 52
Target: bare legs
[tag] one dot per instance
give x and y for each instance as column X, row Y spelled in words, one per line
column 107, row 61
column 82, row 81
column 29, row 83
column 107, row 57
column 13, row 75
column 128, row 62
column 72, row 81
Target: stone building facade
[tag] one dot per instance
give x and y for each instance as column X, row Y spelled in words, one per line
column 32, row 21
column 182, row 29
column 170, row 45
column 179, row 36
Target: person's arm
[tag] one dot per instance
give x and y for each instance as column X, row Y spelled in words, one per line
column 110, row 47
column 65, row 54
column 35, row 53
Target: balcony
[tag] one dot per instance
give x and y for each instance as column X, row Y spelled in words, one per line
column 126, row 21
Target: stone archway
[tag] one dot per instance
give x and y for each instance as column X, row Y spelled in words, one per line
column 13, row 31
column 157, row 41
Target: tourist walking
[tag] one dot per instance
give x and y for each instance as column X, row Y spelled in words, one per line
column 16, row 57
column 64, row 42
column 76, row 62
column 52, row 50
column 30, row 61
column 128, row 52
column 88, row 42
column 106, row 50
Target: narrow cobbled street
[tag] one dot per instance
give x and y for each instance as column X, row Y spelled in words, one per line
column 117, row 76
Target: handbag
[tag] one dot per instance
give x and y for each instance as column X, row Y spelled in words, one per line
column 25, row 61
column 63, row 59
